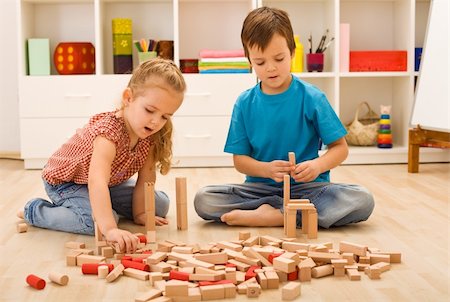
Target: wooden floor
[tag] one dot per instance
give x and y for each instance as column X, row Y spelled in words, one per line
column 411, row 216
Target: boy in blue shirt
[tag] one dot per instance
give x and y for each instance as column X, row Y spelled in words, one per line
column 279, row 115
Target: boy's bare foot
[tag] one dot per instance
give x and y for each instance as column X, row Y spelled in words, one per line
column 265, row 215
column 20, row 214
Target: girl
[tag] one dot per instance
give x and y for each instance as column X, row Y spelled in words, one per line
column 89, row 176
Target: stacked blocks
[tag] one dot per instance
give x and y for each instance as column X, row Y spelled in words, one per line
column 74, row 58
column 384, row 139
column 122, row 45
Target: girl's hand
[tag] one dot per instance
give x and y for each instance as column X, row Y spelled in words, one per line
column 140, row 219
column 278, row 168
column 126, row 241
column 306, row 171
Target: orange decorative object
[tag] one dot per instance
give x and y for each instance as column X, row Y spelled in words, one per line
column 74, row 58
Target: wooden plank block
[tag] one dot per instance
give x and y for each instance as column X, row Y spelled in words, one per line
column 115, row 273
column 135, row 273
column 349, row 247
column 149, row 196
column 181, row 202
column 286, row 198
column 290, row 291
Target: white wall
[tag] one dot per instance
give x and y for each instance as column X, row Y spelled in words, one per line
column 9, row 106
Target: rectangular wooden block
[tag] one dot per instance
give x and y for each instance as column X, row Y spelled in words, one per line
column 181, row 201
column 146, row 296
column 291, row 291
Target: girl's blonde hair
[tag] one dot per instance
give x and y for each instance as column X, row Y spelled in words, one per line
column 164, row 74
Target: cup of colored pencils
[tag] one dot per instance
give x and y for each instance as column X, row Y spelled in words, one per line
column 146, row 50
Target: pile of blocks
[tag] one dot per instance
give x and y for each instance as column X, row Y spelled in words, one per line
column 177, row 271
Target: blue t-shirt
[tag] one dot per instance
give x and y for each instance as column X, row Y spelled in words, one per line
column 267, row 127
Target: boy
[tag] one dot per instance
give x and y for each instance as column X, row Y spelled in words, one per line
column 281, row 114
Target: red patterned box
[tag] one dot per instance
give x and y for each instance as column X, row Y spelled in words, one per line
column 387, row 60
column 74, row 58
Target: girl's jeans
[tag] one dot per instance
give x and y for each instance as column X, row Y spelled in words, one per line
column 70, row 209
column 336, row 204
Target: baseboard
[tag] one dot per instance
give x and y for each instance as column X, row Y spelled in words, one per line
column 9, row 155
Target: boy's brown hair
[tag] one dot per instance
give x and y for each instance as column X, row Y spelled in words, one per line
column 261, row 24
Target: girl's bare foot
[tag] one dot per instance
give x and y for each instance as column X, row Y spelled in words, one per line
column 20, row 214
column 265, row 215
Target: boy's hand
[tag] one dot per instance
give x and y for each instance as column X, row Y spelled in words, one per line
column 306, row 171
column 140, row 219
column 127, row 242
column 278, row 168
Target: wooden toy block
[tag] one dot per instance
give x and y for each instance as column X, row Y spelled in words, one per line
column 101, row 244
column 266, row 239
column 247, row 260
column 395, row 257
column 149, row 196
column 115, row 273
column 214, row 258
column 71, row 258
column 292, row 159
column 194, row 294
column 284, row 264
column 290, row 291
column 22, row 227
column 339, row 263
column 183, row 249
column 348, row 247
column 305, row 222
column 205, row 277
column 85, row 251
column 244, row 235
column 364, row 260
column 148, row 295
column 286, row 198
column 164, row 246
column 292, row 256
column 181, row 201
column 161, row 299
column 243, row 267
column 36, row 282
column 262, row 279
column 323, row 257
column 301, row 206
column 212, row 292
column 180, row 257
column 294, row 246
column 304, row 274
column 273, row 280
column 291, row 222
column 353, row 274
column 137, row 265
column 81, row 259
column 107, row 252
column 339, row 271
column 361, row 267
column 254, row 240
column 252, row 253
column 375, row 258
column 373, row 273
column 230, row 290
column 195, row 263
column 321, row 271
column 312, row 224
column 135, row 273
column 160, row 284
column 176, row 288
column 383, row 266
column 75, row 245
column 229, row 245
column 253, row 290
column 74, row 58
column 154, row 276
column 97, row 233
column 349, row 257
column 103, row 271
column 156, row 257
column 282, row 276
column 58, row 278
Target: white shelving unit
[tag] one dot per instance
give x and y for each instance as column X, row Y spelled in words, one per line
column 52, row 107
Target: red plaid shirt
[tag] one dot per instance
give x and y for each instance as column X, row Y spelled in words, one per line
column 70, row 163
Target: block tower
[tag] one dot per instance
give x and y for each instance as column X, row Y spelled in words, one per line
column 384, row 138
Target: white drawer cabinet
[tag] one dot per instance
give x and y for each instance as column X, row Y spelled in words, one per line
column 40, row 138
column 214, row 94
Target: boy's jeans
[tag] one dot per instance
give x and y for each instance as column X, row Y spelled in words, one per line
column 336, row 204
column 70, row 209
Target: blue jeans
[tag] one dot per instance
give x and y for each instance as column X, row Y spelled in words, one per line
column 336, row 204
column 70, row 208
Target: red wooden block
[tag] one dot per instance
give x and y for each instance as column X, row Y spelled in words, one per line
column 92, row 268
column 36, row 282
column 251, row 272
column 183, row 276
column 292, row 276
column 136, row 265
column 142, row 239
column 230, row 264
column 273, row 255
column 140, row 260
column 74, row 58
column 127, row 258
column 375, row 60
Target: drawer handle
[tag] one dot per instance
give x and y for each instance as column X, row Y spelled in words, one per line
column 202, row 94
column 78, row 96
column 197, row 136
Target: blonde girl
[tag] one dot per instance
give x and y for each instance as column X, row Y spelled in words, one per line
column 90, row 175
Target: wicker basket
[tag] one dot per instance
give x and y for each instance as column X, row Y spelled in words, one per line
column 362, row 131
